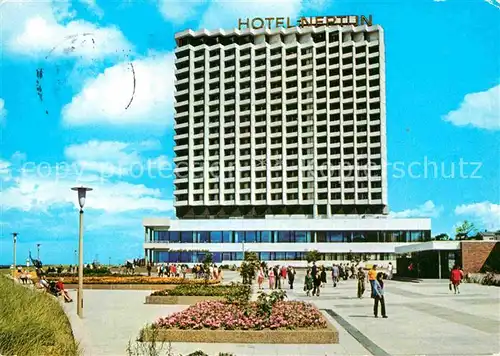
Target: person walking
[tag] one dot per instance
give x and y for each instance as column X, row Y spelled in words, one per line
column 284, row 273
column 372, row 276
column 323, row 276
column 335, row 275
column 390, row 270
column 361, row 282
column 378, row 287
column 353, row 271
column 260, row 277
column 455, row 279
column 277, row 277
column 308, row 283
column 291, row 276
column 271, row 278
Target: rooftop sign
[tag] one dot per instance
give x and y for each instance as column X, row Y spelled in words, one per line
column 311, row 21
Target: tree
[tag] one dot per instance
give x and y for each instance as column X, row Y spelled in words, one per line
column 313, row 256
column 249, row 267
column 441, row 237
column 208, row 260
column 464, row 230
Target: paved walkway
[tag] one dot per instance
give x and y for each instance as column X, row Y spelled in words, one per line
column 424, row 319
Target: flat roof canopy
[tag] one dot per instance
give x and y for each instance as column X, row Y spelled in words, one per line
column 429, row 246
column 297, row 224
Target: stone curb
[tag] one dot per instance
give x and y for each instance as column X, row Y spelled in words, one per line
column 179, row 299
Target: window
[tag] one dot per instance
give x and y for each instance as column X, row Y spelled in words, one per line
column 265, row 236
column 215, row 236
column 186, row 236
column 250, row 236
column 227, row 236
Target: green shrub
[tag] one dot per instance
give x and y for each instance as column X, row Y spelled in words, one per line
column 232, row 292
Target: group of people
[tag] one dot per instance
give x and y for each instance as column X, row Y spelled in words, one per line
column 24, row 276
column 276, row 275
column 56, row 288
column 178, row 270
column 316, row 278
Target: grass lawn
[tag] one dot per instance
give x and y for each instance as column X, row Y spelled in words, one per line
column 32, row 323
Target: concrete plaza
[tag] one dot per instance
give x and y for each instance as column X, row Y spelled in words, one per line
column 424, row 319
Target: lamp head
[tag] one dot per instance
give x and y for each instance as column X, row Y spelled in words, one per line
column 14, row 236
column 82, row 193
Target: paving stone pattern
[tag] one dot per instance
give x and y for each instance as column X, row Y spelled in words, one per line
column 424, row 319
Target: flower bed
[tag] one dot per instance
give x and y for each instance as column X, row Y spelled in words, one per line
column 135, row 280
column 203, row 290
column 191, row 294
column 213, row 321
column 227, row 316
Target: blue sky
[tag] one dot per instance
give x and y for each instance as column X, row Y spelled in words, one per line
column 442, row 78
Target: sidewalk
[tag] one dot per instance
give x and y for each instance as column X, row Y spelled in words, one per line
column 424, row 319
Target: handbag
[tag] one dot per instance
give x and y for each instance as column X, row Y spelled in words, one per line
column 305, row 288
column 449, row 285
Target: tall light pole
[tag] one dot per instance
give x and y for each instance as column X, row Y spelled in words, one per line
column 14, row 267
column 38, row 251
column 82, row 192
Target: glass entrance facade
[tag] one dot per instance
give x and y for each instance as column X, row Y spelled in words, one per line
column 287, row 236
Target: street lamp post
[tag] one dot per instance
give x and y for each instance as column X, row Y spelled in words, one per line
column 82, row 192
column 14, row 267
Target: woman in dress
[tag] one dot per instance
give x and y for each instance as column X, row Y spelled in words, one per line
column 260, row 277
column 271, row 278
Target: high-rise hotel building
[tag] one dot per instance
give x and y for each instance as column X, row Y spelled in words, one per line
column 280, row 143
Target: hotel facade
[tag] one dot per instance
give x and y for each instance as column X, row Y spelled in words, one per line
column 280, row 143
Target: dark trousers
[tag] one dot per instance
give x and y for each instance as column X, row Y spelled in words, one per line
column 277, row 282
column 290, row 281
column 316, row 283
column 361, row 288
column 382, row 304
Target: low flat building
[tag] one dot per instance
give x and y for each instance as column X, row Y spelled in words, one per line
column 281, row 240
column 435, row 259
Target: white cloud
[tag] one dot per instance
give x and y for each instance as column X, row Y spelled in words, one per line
column 3, row 111
column 36, row 193
column 224, row 14
column 478, row 109
column 48, row 29
column 111, row 99
column 495, row 3
column 4, row 168
column 92, row 6
column 178, row 11
column 109, row 158
column 486, row 213
column 426, row 210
